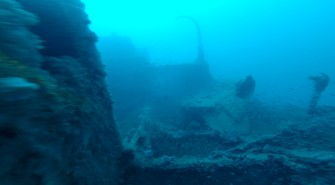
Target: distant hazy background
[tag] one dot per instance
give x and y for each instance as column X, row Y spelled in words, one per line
column 279, row 42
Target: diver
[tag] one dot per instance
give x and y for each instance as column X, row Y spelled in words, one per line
column 245, row 88
column 321, row 82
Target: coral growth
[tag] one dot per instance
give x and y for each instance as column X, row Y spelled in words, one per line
column 15, row 38
column 63, row 132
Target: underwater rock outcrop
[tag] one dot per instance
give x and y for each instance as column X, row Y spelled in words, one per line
column 64, row 131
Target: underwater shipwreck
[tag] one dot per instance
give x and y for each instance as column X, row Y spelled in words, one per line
column 65, row 118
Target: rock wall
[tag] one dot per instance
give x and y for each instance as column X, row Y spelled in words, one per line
column 61, row 131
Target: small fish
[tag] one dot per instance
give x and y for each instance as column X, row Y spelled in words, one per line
column 15, row 88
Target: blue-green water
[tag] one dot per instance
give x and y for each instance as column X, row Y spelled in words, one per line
column 280, row 42
column 234, row 92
